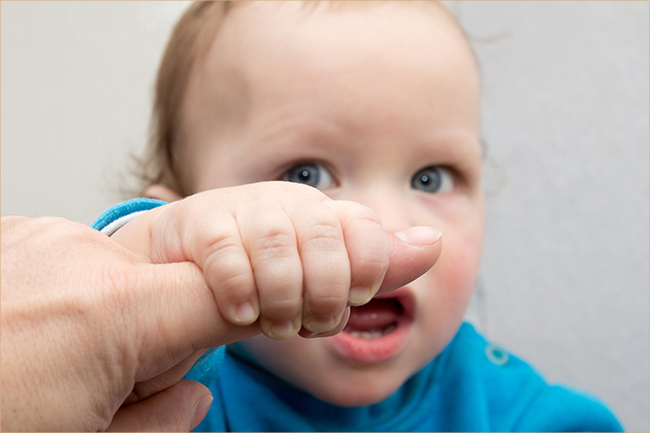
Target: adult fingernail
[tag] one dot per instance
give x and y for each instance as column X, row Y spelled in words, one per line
column 420, row 235
column 201, row 410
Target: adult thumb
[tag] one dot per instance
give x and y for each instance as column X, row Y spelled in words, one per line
column 412, row 253
column 180, row 407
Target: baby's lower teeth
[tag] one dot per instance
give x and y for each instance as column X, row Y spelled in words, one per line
column 369, row 335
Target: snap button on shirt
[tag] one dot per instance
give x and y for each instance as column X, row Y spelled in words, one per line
column 496, row 355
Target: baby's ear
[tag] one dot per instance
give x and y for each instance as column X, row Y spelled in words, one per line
column 160, row 192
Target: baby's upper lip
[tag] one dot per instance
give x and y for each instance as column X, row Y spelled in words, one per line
column 405, row 296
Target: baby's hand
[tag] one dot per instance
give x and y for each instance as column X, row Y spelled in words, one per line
column 283, row 253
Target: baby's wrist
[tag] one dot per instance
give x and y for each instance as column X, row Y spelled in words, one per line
column 119, row 215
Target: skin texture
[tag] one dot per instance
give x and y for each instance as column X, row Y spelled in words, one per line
column 97, row 337
column 370, row 108
column 77, row 310
column 287, row 250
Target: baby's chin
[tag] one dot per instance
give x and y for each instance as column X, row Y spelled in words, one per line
column 348, row 398
column 346, row 389
column 363, row 388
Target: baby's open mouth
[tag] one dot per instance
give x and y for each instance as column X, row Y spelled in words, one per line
column 377, row 318
column 378, row 331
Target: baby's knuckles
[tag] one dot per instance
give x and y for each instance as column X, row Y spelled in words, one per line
column 321, row 224
column 368, row 249
column 286, row 193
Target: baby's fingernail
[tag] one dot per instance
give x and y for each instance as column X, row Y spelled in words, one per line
column 282, row 329
column 359, row 296
column 279, row 330
column 319, row 325
column 419, row 235
column 245, row 313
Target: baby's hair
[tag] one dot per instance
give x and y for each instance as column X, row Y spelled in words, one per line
column 189, row 42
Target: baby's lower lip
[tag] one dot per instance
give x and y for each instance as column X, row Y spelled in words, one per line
column 361, row 343
column 365, row 347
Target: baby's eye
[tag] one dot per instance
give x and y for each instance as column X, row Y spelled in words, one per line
column 310, row 174
column 438, row 180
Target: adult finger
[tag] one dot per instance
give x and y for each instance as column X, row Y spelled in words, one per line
column 412, row 253
column 144, row 390
column 180, row 407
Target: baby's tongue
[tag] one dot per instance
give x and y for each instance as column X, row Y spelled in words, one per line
column 375, row 315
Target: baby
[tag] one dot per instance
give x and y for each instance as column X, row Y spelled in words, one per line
column 374, row 107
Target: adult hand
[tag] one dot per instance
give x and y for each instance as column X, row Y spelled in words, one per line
column 81, row 335
column 95, row 337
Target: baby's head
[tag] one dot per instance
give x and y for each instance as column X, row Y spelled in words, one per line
column 372, row 102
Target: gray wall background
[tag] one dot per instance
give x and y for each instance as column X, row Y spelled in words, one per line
column 564, row 280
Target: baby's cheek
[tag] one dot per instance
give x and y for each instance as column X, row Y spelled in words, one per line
column 445, row 294
column 457, row 269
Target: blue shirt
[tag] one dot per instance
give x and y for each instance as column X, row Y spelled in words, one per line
column 471, row 386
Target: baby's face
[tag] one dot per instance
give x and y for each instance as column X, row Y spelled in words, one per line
column 374, row 104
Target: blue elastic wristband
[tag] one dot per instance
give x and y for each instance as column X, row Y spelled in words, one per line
column 125, row 209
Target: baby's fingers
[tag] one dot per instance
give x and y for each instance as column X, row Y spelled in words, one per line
column 325, row 264
column 367, row 247
column 212, row 240
column 228, row 271
column 270, row 240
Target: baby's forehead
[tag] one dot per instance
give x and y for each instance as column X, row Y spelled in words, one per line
column 308, row 9
column 272, row 68
column 280, row 22
column 334, row 6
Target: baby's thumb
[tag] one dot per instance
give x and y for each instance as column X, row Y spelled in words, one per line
column 412, row 252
